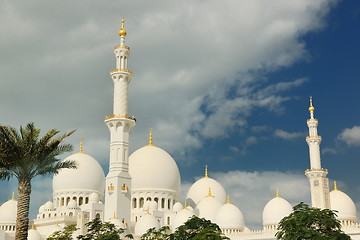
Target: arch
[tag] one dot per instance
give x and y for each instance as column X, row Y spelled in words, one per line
column 49, row 215
column 71, row 214
column 62, row 201
column 156, row 200
column 97, row 216
column 163, row 203
column 74, row 198
column 86, row 200
column 141, row 202
column 81, row 199
column 169, row 203
column 148, row 199
column 168, row 220
column 134, row 203
column 67, row 200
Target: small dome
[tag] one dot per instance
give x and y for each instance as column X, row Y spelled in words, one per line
column 94, row 197
column 208, row 207
column 145, row 222
column 116, row 222
column 88, row 176
column 72, row 204
column 342, row 203
column 153, row 205
column 151, row 168
column 181, row 217
column 48, row 206
column 42, row 208
column 8, row 212
column 230, row 216
column 177, row 207
column 200, row 189
column 275, row 210
column 33, row 234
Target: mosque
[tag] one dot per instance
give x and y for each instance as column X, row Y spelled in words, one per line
column 141, row 191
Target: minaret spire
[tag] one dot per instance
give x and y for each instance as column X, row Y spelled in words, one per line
column 150, row 138
column 120, row 124
column 319, row 183
column 206, row 172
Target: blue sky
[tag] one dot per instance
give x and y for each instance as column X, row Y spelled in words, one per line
column 226, row 85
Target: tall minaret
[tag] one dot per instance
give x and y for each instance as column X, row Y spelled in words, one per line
column 120, row 124
column 319, row 183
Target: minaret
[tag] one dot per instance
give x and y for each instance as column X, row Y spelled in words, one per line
column 120, row 124
column 319, row 183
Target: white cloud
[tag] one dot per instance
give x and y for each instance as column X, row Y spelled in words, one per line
column 288, row 135
column 351, row 136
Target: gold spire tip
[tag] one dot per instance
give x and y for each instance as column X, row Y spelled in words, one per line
column 228, row 199
column 81, row 145
column 209, row 193
column 150, row 138
column 311, row 108
column 206, row 171
column 32, row 227
column 277, row 193
column 335, row 186
column 13, row 196
column 114, row 216
column 122, row 32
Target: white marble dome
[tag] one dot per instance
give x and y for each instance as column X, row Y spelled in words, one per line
column 8, row 212
column 33, row 234
column 151, row 168
column 48, row 206
column 94, row 197
column 275, row 210
column 208, row 207
column 199, row 190
column 177, row 207
column 116, row 222
column 88, row 176
column 145, row 222
column 72, row 204
column 342, row 203
column 181, row 217
column 230, row 217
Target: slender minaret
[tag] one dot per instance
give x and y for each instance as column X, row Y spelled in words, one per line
column 319, row 183
column 120, row 124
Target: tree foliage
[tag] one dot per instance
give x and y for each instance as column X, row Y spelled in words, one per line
column 66, row 234
column 310, row 223
column 24, row 155
column 98, row 230
column 195, row 229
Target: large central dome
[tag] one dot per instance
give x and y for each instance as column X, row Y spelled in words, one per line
column 151, row 168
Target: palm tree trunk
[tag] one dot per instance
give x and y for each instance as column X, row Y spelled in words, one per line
column 22, row 218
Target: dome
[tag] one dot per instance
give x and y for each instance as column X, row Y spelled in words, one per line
column 153, row 205
column 72, row 204
column 342, row 203
column 8, row 212
column 200, row 189
column 177, row 207
column 94, row 197
column 151, row 168
column 116, row 222
column 145, row 222
column 208, row 207
column 33, row 234
column 88, row 176
column 48, row 206
column 181, row 217
column 230, row 216
column 275, row 210
column 42, row 208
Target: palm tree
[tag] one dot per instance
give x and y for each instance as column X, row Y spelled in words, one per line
column 24, row 155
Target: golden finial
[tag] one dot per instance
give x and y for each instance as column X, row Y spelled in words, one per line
column 228, row 199
column 335, row 186
column 206, row 171
column 32, row 227
column 209, row 193
column 150, row 138
column 114, row 216
column 122, row 32
column 13, row 196
column 277, row 193
column 311, row 108
column 147, row 212
column 81, row 146
column 57, row 223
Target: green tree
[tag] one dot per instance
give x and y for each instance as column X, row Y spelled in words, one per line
column 98, row 230
column 66, row 234
column 24, row 155
column 195, row 229
column 310, row 223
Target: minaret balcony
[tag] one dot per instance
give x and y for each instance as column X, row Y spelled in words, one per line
column 120, row 116
column 121, row 46
column 121, row 70
column 316, row 170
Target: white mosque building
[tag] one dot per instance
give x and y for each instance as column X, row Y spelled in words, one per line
column 141, row 191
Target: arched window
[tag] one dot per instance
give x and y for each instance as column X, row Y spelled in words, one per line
column 97, row 216
column 134, row 203
column 168, row 220
column 148, row 199
column 156, row 200
column 80, row 201
column 86, row 200
column 62, row 201
column 135, row 219
column 71, row 214
column 141, row 202
column 49, row 215
column 163, row 203
column 67, row 200
column 74, row 198
column 169, row 203
column 43, row 215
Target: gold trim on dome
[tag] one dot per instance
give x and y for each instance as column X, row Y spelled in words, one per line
column 121, row 70
column 81, row 146
column 122, row 32
column 120, row 116
column 13, row 196
column 32, row 227
column 209, row 193
column 228, row 199
column 150, row 138
column 335, row 187
column 121, row 46
column 311, row 108
column 277, row 193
